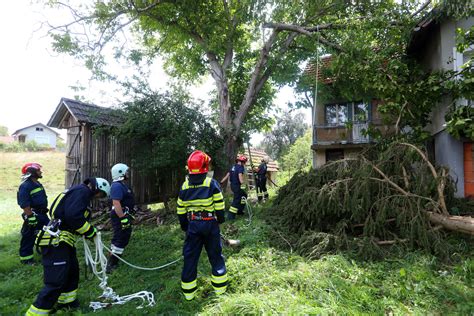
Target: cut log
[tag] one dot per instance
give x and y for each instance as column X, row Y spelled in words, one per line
column 463, row 224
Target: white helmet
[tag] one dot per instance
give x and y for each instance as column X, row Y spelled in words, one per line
column 266, row 159
column 103, row 185
column 118, row 171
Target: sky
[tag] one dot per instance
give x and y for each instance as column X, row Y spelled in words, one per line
column 34, row 78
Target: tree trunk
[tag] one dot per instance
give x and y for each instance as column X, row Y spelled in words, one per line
column 462, row 224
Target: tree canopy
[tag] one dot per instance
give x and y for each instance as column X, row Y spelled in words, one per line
column 286, row 130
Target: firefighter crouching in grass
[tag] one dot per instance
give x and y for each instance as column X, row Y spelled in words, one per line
column 123, row 203
column 237, row 185
column 70, row 217
column 33, row 200
column 200, row 210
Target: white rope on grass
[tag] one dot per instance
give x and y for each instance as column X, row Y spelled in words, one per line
column 99, row 259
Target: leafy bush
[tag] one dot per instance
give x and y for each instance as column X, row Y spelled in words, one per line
column 16, row 147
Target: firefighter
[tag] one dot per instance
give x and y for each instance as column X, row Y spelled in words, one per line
column 237, row 185
column 70, row 217
column 121, row 214
column 200, row 210
column 261, row 172
column 33, row 200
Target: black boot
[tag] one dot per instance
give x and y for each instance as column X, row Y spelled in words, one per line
column 112, row 263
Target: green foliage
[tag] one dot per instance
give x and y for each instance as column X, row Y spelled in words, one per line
column 347, row 204
column 300, row 154
column 460, row 122
column 60, row 144
column 287, row 129
column 164, row 129
column 29, row 146
column 3, row 131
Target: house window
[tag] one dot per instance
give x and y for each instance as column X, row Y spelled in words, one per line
column 334, row 154
column 39, row 129
column 361, row 112
column 337, row 114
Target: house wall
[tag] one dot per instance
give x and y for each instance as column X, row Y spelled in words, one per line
column 439, row 54
column 449, row 152
column 45, row 137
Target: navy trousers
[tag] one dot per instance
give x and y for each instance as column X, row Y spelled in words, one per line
column 199, row 234
column 28, row 236
column 121, row 237
column 262, row 187
column 61, row 276
column 237, row 203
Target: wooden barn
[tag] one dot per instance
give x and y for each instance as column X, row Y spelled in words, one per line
column 94, row 154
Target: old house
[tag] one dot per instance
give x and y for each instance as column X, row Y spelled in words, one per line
column 93, row 154
column 255, row 157
column 433, row 44
column 39, row 133
column 340, row 126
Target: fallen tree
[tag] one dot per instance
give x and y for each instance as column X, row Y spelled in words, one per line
column 390, row 194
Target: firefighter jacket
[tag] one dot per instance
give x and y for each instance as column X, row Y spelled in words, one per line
column 32, row 194
column 72, row 207
column 200, row 194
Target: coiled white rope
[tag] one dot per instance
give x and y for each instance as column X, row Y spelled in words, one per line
column 99, row 259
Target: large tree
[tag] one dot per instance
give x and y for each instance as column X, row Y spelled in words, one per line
column 228, row 39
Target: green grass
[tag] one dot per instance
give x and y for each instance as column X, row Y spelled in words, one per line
column 263, row 279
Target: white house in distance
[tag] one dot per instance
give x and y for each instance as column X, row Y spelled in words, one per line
column 38, row 132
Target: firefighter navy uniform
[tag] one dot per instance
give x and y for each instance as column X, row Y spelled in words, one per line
column 123, row 193
column 200, row 209
column 262, row 181
column 60, row 265
column 31, row 194
column 238, row 188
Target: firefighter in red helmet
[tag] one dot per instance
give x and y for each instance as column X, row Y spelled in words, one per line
column 237, row 185
column 200, row 211
column 32, row 198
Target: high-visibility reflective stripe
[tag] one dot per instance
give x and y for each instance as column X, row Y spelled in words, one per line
column 189, row 289
column 206, row 183
column 233, row 209
column 219, row 278
column 37, row 311
column 86, row 214
column 84, row 228
column 219, row 206
column 203, row 202
column 56, row 202
column 67, row 237
column 26, row 257
column 179, row 202
column 35, row 190
column 116, row 250
column 67, row 297
column 188, row 285
column 181, row 210
column 218, row 196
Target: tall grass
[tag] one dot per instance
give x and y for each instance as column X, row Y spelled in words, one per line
column 263, row 279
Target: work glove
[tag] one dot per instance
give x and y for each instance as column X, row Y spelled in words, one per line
column 125, row 222
column 31, row 220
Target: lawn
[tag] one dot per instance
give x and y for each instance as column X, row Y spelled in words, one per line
column 263, row 279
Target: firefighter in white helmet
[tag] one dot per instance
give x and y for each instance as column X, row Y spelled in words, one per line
column 121, row 214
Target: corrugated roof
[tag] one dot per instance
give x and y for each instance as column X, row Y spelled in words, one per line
column 257, row 156
column 85, row 113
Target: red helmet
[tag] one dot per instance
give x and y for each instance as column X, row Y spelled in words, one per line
column 31, row 166
column 198, row 162
column 241, row 158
